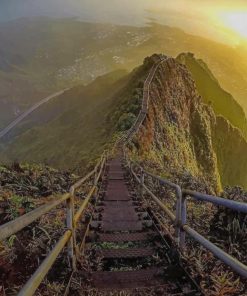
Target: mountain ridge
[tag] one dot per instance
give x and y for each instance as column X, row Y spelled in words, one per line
column 212, row 93
column 46, row 55
column 186, row 133
column 183, row 135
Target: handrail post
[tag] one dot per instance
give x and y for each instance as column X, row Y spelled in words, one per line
column 183, row 221
column 178, row 215
column 142, row 183
column 95, row 177
column 71, row 226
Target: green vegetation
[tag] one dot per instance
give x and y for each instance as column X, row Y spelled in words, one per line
column 184, row 137
column 19, row 205
column 72, row 130
column 40, row 56
column 212, row 93
column 126, row 121
column 230, row 148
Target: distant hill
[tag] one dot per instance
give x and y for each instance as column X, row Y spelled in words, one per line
column 40, row 56
column 212, row 93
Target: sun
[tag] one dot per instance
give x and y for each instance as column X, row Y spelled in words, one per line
column 235, row 20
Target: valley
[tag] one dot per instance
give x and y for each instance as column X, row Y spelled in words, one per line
column 123, row 148
column 41, row 56
column 98, row 68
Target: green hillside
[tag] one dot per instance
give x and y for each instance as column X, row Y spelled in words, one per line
column 40, row 56
column 86, row 120
column 72, row 130
column 213, row 94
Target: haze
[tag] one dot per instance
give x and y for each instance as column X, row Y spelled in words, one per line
column 211, row 19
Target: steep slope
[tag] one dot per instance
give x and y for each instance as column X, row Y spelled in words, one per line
column 75, row 127
column 231, row 150
column 181, row 135
column 40, row 56
column 212, row 93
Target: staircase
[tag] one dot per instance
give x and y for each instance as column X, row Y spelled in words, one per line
column 128, row 249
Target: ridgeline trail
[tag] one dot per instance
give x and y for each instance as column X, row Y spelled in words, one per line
column 124, row 249
column 130, row 250
column 14, row 123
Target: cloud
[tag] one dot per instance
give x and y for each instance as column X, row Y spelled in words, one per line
column 113, row 9
column 195, row 16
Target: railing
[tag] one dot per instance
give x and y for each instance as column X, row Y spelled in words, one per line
column 126, row 138
column 179, row 219
column 68, row 238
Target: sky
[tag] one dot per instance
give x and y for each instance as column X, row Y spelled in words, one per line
column 222, row 20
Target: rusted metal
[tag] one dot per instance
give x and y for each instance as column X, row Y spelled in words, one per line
column 116, row 211
column 116, row 190
column 115, row 198
column 120, row 215
column 10, row 228
column 121, row 221
column 122, row 226
column 126, row 237
column 116, row 195
column 117, row 204
column 126, row 253
column 127, row 279
column 115, row 176
column 36, row 279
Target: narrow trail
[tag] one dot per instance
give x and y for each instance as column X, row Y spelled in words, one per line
column 116, row 243
column 127, row 246
column 14, row 123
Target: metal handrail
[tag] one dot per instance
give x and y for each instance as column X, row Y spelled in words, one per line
column 178, row 191
column 235, row 264
column 12, row 227
column 155, row 198
column 18, row 224
column 145, row 103
column 227, row 203
column 180, row 218
column 36, row 279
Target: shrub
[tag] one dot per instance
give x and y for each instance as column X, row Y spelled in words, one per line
column 126, row 121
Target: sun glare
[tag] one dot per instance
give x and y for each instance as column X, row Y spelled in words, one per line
column 235, row 20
